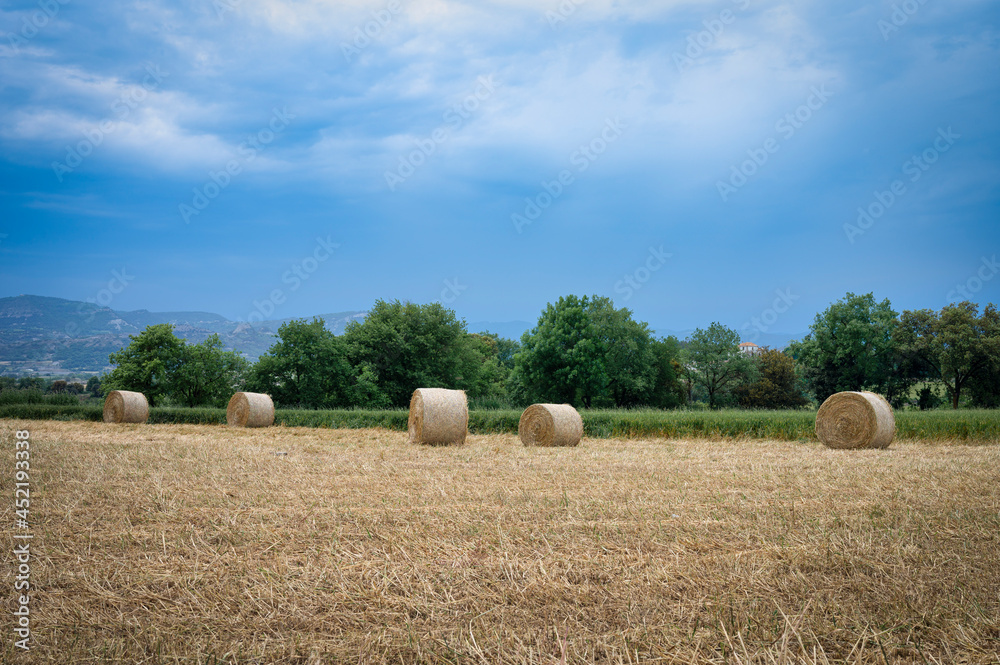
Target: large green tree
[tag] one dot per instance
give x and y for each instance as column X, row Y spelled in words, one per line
column 850, row 346
column 630, row 358
column 776, row 386
column 207, row 374
column 307, row 368
column 405, row 346
column 147, row 364
column 958, row 346
column 586, row 352
column 563, row 358
column 716, row 363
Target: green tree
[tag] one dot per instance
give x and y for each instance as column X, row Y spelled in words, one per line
column 366, row 392
column 586, row 352
column 306, row 368
column 31, row 383
column 776, row 386
column 716, row 361
column 406, row 346
column 562, row 359
column 984, row 390
column 207, row 374
column 668, row 389
column 850, row 346
column 955, row 346
column 630, row 357
column 491, row 376
column 94, row 386
column 506, row 349
column 928, row 398
column 147, row 364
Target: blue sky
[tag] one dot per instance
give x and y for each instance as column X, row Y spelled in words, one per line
column 695, row 161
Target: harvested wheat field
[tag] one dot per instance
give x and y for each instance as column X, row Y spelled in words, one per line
column 206, row 544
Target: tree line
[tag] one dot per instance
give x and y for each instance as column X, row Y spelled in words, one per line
column 582, row 351
column 859, row 343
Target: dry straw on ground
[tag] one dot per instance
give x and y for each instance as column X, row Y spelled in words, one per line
column 197, row 544
column 438, row 416
column 855, row 420
column 550, row 425
column 250, row 410
column 125, row 406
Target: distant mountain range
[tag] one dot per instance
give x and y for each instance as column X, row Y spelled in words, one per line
column 53, row 336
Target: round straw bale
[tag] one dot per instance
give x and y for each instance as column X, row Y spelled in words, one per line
column 125, row 406
column 438, row 416
column 550, row 425
column 855, row 420
column 250, row 410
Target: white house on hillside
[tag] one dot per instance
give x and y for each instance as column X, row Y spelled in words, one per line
column 750, row 347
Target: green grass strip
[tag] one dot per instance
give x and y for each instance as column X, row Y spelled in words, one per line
column 964, row 425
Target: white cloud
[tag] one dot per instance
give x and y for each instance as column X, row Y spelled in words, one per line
column 140, row 123
column 556, row 85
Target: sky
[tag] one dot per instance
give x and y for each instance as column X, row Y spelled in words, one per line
column 742, row 161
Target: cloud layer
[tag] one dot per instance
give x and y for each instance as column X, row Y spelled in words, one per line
column 418, row 133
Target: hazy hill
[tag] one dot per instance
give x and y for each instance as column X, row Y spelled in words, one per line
column 54, row 335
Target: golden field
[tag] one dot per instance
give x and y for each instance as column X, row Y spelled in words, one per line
column 203, row 544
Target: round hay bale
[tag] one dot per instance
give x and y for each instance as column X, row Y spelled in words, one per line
column 250, row 410
column 438, row 417
column 855, row 420
column 550, row 425
column 125, row 406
